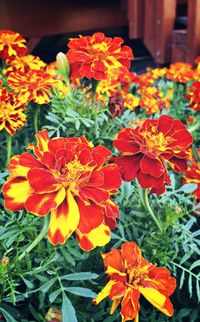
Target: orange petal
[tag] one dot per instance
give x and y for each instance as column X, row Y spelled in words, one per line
column 64, row 220
column 130, row 304
column 131, row 253
column 104, row 292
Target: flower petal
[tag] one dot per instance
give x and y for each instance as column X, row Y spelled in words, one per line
column 129, row 166
column 151, row 166
column 16, row 192
column 42, row 181
column 104, row 292
column 160, row 301
column 64, row 220
column 130, row 304
column 41, row 204
column 99, row 236
column 113, row 259
column 131, row 253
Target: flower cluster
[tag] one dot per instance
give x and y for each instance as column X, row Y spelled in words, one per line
column 67, row 177
column 12, row 44
column 130, row 276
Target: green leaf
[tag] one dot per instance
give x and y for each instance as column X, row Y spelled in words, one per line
column 54, row 295
column 81, row 291
column 188, row 188
column 45, row 287
column 195, row 264
column 79, row 276
column 68, row 311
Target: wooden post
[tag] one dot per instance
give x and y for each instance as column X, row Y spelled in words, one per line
column 136, row 18
column 193, row 31
column 158, row 27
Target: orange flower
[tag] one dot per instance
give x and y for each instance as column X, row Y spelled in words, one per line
column 130, row 101
column 152, row 100
column 146, row 149
column 11, row 44
column 34, row 85
column 94, row 56
column 157, row 73
column 67, row 178
column 24, row 63
column 12, row 117
column 53, row 315
column 193, row 176
column 130, row 275
column 180, row 72
column 194, row 96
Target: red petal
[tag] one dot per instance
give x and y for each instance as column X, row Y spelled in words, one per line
column 152, row 166
column 42, row 181
column 124, row 145
column 131, row 253
column 129, row 166
column 112, row 178
column 130, row 304
column 91, row 216
column 95, row 194
column 113, row 259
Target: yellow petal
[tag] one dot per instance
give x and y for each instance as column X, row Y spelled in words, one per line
column 64, row 220
column 104, row 292
column 155, row 298
column 114, row 305
column 98, row 236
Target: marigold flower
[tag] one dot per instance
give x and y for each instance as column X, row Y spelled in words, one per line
column 130, row 275
column 192, row 175
column 194, row 96
column 180, row 72
column 153, row 100
column 157, row 73
column 53, row 315
column 24, row 64
column 146, row 149
column 116, row 104
column 94, row 56
column 34, row 85
column 11, row 44
column 12, row 117
column 67, row 178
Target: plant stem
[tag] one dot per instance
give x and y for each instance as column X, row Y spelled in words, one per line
column 148, row 207
column 36, row 241
column 35, row 117
column 9, row 147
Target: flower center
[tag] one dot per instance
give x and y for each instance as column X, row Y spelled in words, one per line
column 136, row 274
column 156, row 141
column 101, row 46
column 74, row 170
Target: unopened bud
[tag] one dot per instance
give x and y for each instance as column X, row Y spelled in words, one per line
column 63, row 65
column 116, row 104
column 4, row 261
column 53, row 315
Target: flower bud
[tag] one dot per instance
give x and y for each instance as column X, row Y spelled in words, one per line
column 116, row 105
column 53, row 315
column 4, row 261
column 63, row 65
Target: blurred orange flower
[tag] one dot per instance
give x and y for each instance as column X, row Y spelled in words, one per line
column 94, row 56
column 12, row 117
column 194, row 96
column 24, row 63
column 11, row 44
column 180, row 72
column 34, row 85
column 130, row 276
column 152, row 100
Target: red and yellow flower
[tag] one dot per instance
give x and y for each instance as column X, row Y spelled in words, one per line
column 68, row 178
column 11, row 44
column 146, row 150
column 34, row 85
column 130, row 276
column 12, row 117
column 194, row 96
column 94, row 56
column 152, row 100
column 24, row 64
column 180, row 72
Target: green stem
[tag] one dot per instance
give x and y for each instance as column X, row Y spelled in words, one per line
column 9, row 147
column 148, row 207
column 194, row 127
column 36, row 241
column 35, row 117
